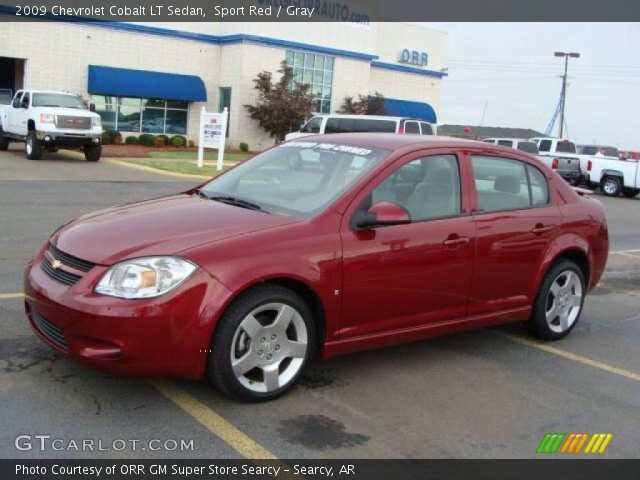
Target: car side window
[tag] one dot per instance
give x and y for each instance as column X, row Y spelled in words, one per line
column 427, row 129
column 428, row 188
column 539, row 186
column 505, row 143
column 545, row 145
column 25, row 100
column 312, row 126
column 411, row 127
column 16, row 100
column 501, row 183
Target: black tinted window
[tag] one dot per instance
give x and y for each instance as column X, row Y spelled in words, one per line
column 16, row 100
column 364, row 125
column 428, row 187
column 332, row 125
column 313, row 125
column 588, row 150
column 611, row 152
column 566, row 147
column 505, row 143
column 411, row 127
column 545, row 145
column 528, row 147
column 427, row 129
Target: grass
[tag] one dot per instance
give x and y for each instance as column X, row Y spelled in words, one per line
column 228, row 157
column 177, row 167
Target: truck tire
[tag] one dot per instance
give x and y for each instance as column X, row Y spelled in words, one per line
column 92, row 153
column 32, row 147
column 630, row 192
column 4, row 142
column 611, row 186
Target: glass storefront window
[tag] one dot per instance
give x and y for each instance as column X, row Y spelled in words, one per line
column 316, row 71
column 142, row 115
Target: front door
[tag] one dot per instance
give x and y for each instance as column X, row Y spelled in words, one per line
column 402, row 276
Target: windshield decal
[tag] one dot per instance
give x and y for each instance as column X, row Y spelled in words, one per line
column 330, row 146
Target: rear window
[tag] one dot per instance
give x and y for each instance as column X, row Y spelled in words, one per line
column 347, row 125
column 545, row 145
column 529, row 147
column 566, row 147
column 505, row 143
column 611, row 152
column 427, row 129
column 588, row 150
column 411, row 127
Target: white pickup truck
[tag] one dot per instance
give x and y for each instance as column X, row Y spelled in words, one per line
column 562, row 155
column 50, row 120
column 614, row 176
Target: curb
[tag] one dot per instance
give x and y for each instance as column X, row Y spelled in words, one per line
column 154, row 170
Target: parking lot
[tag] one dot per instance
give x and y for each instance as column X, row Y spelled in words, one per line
column 492, row 393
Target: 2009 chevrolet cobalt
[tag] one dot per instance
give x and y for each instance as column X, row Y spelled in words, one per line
column 336, row 243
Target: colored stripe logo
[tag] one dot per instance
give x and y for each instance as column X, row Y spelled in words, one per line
column 574, row 443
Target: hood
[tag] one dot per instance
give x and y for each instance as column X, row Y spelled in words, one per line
column 164, row 226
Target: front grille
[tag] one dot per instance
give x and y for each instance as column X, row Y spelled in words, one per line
column 70, row 260
column 57, row 274
column 73, row 122
column 49, row 330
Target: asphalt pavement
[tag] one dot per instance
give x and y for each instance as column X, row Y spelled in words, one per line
column 485, row 394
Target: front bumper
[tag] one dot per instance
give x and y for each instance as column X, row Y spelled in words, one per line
column 71, row 139
column 164, row 336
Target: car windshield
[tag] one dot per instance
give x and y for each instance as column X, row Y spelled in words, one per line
column 57, row 100
column 297, row 179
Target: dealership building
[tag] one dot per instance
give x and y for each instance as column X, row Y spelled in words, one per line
column 156, row 77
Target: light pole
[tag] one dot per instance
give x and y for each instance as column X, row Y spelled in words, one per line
column 566, row 56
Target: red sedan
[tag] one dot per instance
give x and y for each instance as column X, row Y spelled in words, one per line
column 337, row 243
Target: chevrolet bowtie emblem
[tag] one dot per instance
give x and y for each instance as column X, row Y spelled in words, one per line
column 56, row 264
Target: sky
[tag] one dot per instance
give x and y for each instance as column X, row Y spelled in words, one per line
column 510, row 68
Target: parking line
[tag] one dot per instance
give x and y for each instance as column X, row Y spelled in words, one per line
column 5, row 296
column 571, row 356
column 237, row 440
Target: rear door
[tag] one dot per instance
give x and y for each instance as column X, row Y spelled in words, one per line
column 515, row 222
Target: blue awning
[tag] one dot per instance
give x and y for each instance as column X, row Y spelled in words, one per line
column 124, row 82
column 408, row 108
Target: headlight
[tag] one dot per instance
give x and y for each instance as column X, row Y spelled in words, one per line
column 47, row 118
column 96, row 122
column 146, row 277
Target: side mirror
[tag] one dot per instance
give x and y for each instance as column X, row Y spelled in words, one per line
column 92, row 107
column 382, row 214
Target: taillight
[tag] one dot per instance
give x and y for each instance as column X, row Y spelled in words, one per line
column 589, row 165
column 401, row 130
column 554, row 165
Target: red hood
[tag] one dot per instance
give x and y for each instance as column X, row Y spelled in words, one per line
column 163, row 226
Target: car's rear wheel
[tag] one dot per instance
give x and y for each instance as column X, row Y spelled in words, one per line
column 558, row 305
column 611, row 186
column 4, row 142
column 630, row 192
column 262, row 344
column 32, row 147
column 92, row 153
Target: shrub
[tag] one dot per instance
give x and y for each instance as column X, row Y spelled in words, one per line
column 164, row 138
column 158, row 142
column 106, row 138
column 147, row 139
column 132, row 140
column 244, row 147
column 116, row 138
column 178, row 141
column 191, row 143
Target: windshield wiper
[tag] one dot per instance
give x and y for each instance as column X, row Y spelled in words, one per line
column 238, row 202
column 200, row 193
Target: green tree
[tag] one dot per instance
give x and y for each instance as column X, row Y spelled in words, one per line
column 363, row 105
column 281, row 106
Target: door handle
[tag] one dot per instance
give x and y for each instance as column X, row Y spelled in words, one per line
column 539, row 228
column 453, row 241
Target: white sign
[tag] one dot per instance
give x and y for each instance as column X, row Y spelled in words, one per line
column 213, row 129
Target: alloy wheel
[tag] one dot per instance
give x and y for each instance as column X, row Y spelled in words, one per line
column 269, row 347
column 564, row 301
column 610, row 187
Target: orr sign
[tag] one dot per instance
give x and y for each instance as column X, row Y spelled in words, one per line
column 213, row 133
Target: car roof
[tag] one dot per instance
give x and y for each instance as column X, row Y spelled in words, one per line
column 369, row 117
column 393, row 141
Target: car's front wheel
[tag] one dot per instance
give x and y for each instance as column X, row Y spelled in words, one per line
column 558, row 305
column 92, row 153
column 4, row 142
column 262, row 344
column 32, row 147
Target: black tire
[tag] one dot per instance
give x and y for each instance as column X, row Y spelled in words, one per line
column 92, row 153
column 611, row 186
column 4, row 142
column 630, row 192
column 574, row 182
column 32, row 147
column 538, row 325
column 219, row 366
